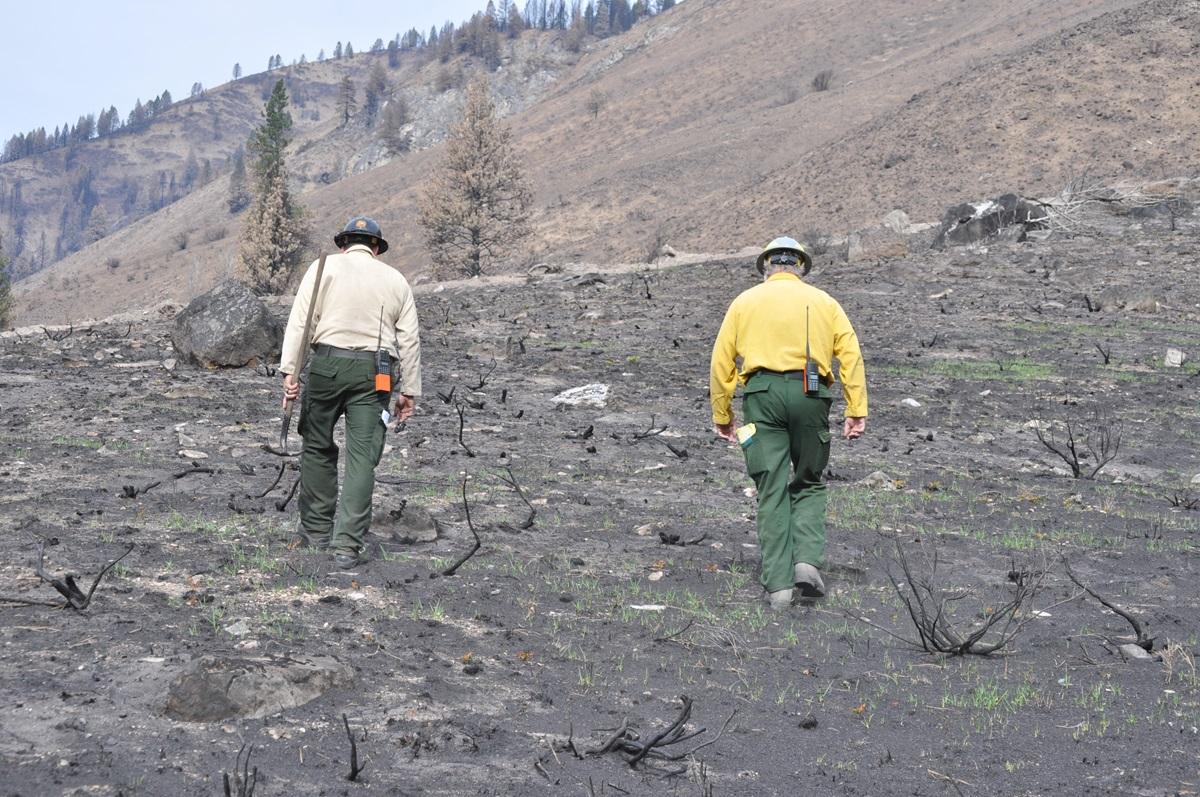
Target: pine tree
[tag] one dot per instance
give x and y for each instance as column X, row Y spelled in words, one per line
column 477, row 205
column 337, row 50
column 391, row 131
column 375, row 92
column 237, row 71
column 603, row 12
column 349, row 51
column 239, row 191
column 346, row 103
column 274, row 235
column 97, row 226
column 6, row 300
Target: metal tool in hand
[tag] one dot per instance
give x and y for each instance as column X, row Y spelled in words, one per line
column 289, row 403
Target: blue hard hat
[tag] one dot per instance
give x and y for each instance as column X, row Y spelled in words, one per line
column 365, row 226
column 784, row 244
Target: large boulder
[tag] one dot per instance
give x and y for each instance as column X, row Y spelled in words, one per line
column 228, row 326
column 876, row 243
column 1008, row 216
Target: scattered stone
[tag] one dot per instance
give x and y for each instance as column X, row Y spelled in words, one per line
column 240, row 628
column 221, row 688
column 910, row 402
column 1132, row 652
column 655, row 576
column 228, row 326
column 170, row 363
column 593, row 395
column 941, row 294
column 1174, row 359
column 1196, row 479
column 879, row 481
column 666, row 250
column 189, row 453
column 808, row 722
column 876, row 243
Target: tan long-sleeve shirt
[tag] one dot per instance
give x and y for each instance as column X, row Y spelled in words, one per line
column 356, row 291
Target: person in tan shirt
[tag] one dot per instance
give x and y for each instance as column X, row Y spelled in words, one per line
column 363, row 306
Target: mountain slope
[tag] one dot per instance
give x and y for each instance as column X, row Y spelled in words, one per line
column 711, row 135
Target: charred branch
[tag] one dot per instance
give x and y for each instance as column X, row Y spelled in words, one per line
column 1105, row 353
column 59, row 336
column 355, row 769
column 581, row 434
column 459, row 408
column 1143, row 641
column 282, row 503
column 244, row 780
column 452, row 569
column 278, row 478
column 1099, row 438
column 649, row 431
column 626, row 739
column 931, row 608
column 510, row 480
column 129, row 491
column 1183, row 501
column 76, row 598
column 483, row 378
column 447, row 397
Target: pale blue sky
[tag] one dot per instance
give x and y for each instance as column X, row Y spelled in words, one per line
column 63, row 58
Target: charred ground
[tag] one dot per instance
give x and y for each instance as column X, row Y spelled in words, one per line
column 473, row 684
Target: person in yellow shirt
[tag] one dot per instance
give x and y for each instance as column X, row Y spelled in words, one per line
column 364, row 320
column 787, row 334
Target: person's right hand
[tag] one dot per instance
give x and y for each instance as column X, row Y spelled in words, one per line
column 405, row 405
column 726, row 431
column 854, row 428
column 291, row 388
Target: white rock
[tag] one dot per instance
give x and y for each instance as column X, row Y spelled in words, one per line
column 1174, row 359
column 910, row 402
column 188, row 453
column 1133, row 652
column 987, row 392
column 648, row 607
column 655, row 576
column 1196, row 479
column 593, row 395
column 169, row 363
column 879, row 481
column 240, row 628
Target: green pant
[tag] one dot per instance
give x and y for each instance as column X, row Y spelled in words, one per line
column 340, row 386
column 786, row 458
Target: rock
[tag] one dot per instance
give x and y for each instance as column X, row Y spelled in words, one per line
column 808, row 722
column 188, row 453
column 879, row 481
column 1132, row 652
column 1174, row 359
column 897, row 221
column 876, row 243
column 240, row 628
column 910, row 402
column 228, row 326
column 970, row 223
column 407, row 526
column 1196, row 479
column 593, row 395
column 666, row 250
column 169, row 363
column 221, row 688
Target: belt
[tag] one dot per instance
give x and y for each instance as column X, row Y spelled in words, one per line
column 325, row 350
column 825, row 380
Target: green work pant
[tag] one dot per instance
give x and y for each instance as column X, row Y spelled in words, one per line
column 340, row 386
column 786, row 458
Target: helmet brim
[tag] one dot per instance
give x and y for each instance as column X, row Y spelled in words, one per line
column 804, row 256
column 339, row 240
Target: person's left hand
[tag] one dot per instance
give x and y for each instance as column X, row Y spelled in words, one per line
column 291, row 388
column 726, row 431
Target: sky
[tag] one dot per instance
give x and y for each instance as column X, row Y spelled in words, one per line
column 73, row 57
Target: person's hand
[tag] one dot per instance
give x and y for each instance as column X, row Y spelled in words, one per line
column 291, row 388
column 854, row 428
column 726, row 431
column 405, row 405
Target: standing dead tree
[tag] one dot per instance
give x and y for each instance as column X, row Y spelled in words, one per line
column 1143, row 641
column 355, row 769
column 1098, row 437
column 76, row 598
column 932, row 607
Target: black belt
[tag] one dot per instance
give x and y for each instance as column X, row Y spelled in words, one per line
column 825, row 380
column 325, row 350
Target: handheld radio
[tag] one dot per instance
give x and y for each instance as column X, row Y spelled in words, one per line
column 383, row 363
column 812, row 375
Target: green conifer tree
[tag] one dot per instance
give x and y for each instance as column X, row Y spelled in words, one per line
column 274, row 236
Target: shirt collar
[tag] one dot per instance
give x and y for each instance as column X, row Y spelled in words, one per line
column 359, row 248
column 783, row 275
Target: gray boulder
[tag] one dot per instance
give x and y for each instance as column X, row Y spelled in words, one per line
column 968, row 223
column 228, row 326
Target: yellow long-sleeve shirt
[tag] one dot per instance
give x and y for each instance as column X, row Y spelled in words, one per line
column 765, row 326
column 355, row 289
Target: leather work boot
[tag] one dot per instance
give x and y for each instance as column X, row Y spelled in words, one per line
column 346, row 559
column 808, row 581
column 780, row 599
